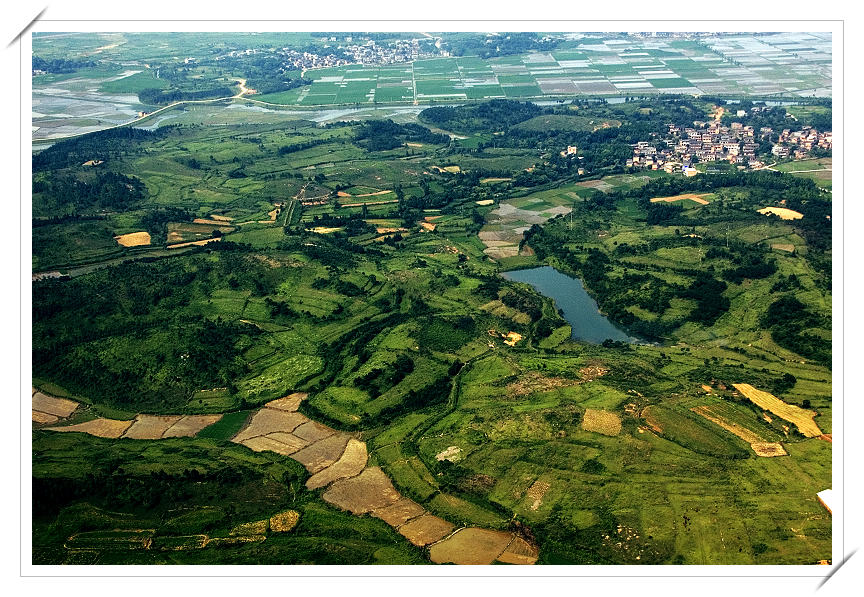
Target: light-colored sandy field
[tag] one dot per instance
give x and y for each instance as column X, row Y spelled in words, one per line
column 691, row 196
column 257, row 527
column 133, row 239
column 352, row 462
column 150, row 427
column 471, row 546
column 485, row 202
column 364, row 493
column 783, row 247
column 108, row 428
column 536, row 492
column 399, row 512
column 264, row 443
column 59, row 407
column 284, row 521
column 601, row 421
column 801, row 418
column 425, row 530
column 323, row 453
column 324, row 229
column 189, row 425
column 785, row 214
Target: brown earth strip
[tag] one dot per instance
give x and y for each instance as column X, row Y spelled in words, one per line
column 425, row 530
column 107, row 428
column 368, row 491
column 190, row 425
column 59, row 407
column 519, row 552
column 322, row 454
column 265, row 443
column 150, row 426
column 400, row 512
column 289, row 403
column 313, row 431
column 43, row 418
column 269, row 420
column 351, row 463
column 471, row 546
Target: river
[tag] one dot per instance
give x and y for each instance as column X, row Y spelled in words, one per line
column 570, row 296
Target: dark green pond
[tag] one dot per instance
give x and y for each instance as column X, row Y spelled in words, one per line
column 579, row 309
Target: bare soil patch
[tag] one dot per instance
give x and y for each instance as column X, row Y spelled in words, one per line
column 150, row 427
column 425, row 530
column 133, row 239
column 783, row 247
column 43, row 418
column 471, row 546
column 601, row 421
column 768, row 449
column 323, row 453
column 801, row 418
column 263, row 443
column 519, row 552
column 368, row 491
column 745, row 434
column 450, row 454
column 108, row 428
column 289, row 403
column 196, row 243
column 59, row 407
column 189, row 425
column 536, row 493
column 691, row 196
column 352, row 462
column 270, row 420
column 651, row 420
column 400, row 512
column 313, row 431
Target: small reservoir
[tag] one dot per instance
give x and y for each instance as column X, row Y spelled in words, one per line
column 570, row 296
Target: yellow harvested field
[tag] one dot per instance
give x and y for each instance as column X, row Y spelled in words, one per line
column 289, row 403
column 43, row 418
column 488, row 180
column 206, row 221
column 707, row 388
column 801, row 418
column 324, row 230
column 691, row 196
column 768, row 449
column 323, row 453
column 601, row 421
column 425, row 530
column 284, row 521
column 150, row 427
column 108, row 428
column 742, row 432
column 427, row 226
column 270, row 420
column 485, row 202
column 450, row 169
column 313, row 431
column 370, row 202
column 785, row 214
column 257, row 527
column 368, row 491
column 59, row 407
column 512, row 338
column 133, row 239
column 414, row 144
column 519, row 552
column 196, row 243
column 400, row 512
column 783, row 247
column 471, row 546
column 189, row 425
column 238, row 540
column 375, row 194
column 265, row 443
column 342, row 194
column 352, row 462
column 221, row 218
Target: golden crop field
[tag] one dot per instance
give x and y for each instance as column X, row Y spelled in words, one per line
column 801, row 418
column 601, row 421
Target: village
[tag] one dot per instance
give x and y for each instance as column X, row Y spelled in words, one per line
column 736, row 144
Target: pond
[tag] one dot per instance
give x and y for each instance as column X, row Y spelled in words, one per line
column 570, row 296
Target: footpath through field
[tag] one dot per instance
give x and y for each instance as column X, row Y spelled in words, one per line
column 337, row 462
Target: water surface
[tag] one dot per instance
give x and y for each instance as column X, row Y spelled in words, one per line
column 579, row 309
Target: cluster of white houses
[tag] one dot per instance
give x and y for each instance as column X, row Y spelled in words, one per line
column 798, row 144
